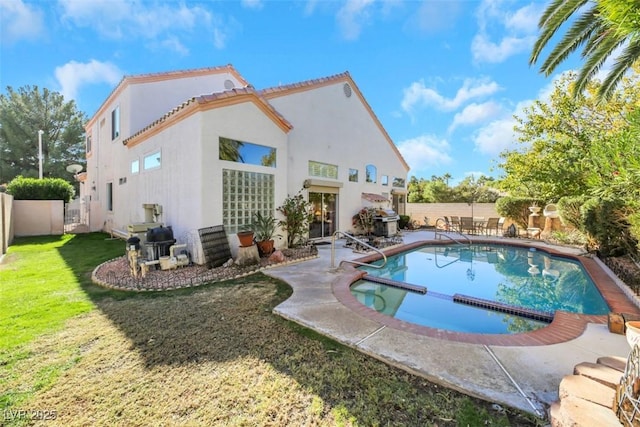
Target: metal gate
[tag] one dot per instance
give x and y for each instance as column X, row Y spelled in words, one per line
column 76, row 216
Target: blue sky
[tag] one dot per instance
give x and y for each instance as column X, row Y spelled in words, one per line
column 444, row 77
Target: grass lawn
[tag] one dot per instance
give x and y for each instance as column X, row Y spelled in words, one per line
column 213, row 355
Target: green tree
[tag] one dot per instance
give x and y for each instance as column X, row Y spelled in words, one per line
column 558, row 140
column 25, row 111
column 601, row 26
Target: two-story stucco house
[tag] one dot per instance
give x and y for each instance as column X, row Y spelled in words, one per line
column 197, row 148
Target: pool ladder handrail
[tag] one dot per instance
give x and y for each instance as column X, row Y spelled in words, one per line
column 351, row 237
column 439, row 233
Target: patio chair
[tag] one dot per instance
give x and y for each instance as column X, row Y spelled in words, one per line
column 491, row 225
column 455, row 223
column 466, row 224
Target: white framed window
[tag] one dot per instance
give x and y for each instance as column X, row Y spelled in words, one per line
column 353, row 175
column 109, row 196
column 135, row 166
column 371, row 173
column 384, row 180
column 115, row 123
column 152, row 161
column 398, row 182
column 323, row 170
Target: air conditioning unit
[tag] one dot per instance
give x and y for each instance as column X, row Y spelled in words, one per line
column 139, row 229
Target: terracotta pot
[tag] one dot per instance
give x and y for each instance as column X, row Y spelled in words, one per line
column 265, row 247
column 246, row 238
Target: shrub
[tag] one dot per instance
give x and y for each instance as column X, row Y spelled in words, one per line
column 364, row 220
column 606, row 220
column 40, row 189
column 403, row 221
column 517, row 208
column 297, row 217
column 569, row 208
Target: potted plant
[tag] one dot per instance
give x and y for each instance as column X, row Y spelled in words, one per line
column 246, row 237
column 264, row 228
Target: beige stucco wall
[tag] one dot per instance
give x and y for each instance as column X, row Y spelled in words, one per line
column 38, row 217
column 332, row 128
column 6, row 222
column 418, row 211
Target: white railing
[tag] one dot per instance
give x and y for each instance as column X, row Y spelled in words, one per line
column 358, row 241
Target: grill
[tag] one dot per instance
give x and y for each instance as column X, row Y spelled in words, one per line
column 385, row 222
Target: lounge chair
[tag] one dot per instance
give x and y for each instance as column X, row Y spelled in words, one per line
column 491, row 225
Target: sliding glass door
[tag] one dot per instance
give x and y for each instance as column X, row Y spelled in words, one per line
column 323, row 209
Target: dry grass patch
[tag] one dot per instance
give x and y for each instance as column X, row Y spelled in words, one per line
column 218, row 356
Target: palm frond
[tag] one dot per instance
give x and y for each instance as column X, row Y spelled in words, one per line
column 629, row 56
column 596, row 57
column 580, row 33
column 552, row 19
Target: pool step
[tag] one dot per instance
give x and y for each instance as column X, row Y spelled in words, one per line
column 542, row 316
column 395, row 284
column 587, row 398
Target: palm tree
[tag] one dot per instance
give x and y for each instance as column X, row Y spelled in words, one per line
column 599, row 28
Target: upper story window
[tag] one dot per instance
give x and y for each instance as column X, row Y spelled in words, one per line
column 115, row 123
column 371, row 174
column 88, row 143
column 398, row 182
column 353, row 175
column 246, row 152
column 135, row 166
column 323, row 170
column 152, row 161
column 384, row 180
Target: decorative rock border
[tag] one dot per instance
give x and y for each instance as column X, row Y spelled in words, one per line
column 114, row 274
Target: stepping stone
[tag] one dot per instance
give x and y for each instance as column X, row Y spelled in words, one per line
column 601, row 373
column 615, row 362
column 587, row 389
column 576, row 412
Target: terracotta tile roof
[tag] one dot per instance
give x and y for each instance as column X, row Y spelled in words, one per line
column 166, row 75
column 214, row 100
column 374, row 197
column 281, row 90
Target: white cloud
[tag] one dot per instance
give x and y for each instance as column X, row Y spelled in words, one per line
column 20, row 21
column 72, row 75
column 495, row 137
column 484, row 50
column 352, row 17
column 119, row 19
column 515, row 31
column 252, row 4
column 475, row 113
column 424, row 152
column 173, row 43
column 417, row 94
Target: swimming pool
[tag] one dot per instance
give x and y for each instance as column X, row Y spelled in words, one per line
column 479, row 288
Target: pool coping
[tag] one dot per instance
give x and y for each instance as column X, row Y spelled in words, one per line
column 564, row 327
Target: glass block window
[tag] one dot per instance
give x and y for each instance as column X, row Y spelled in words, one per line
column 353, row 175
column 398, row 182
column 243, row 194
column 323, row 170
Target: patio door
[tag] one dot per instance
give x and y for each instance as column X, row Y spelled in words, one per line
column 323, row 209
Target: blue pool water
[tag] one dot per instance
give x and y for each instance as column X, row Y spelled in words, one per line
column 511, row 276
